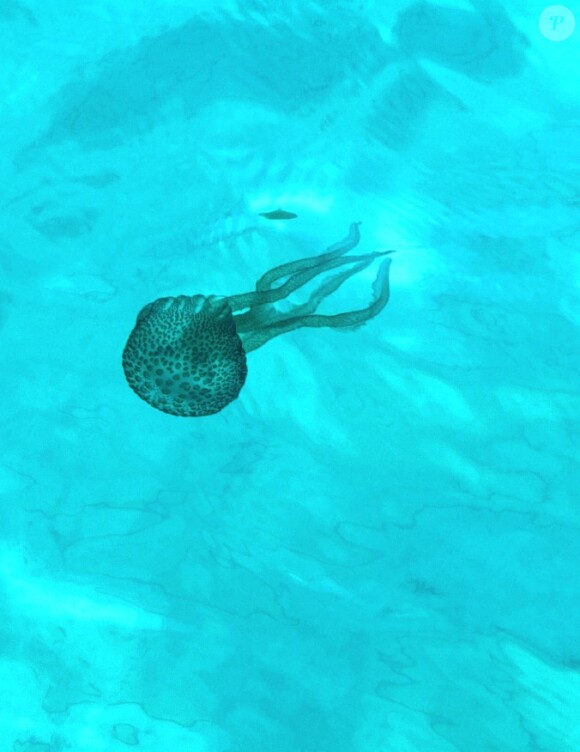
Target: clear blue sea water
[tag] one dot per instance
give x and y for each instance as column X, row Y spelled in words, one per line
column 375, row 546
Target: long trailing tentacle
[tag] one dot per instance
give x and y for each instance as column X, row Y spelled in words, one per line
column 262, row 297
column 337, row 249
column 254, row 338
column 268, row 315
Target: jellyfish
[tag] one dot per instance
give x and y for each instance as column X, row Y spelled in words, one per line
column 186, row 355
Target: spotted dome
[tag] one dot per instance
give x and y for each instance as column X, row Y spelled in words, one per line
column 184, row 356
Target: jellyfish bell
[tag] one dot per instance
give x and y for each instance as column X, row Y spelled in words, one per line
column 184, row 356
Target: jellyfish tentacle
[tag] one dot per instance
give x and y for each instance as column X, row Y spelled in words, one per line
column 256, row 338
column 381, row 293
column 247, row 322
column 257, row 298
column 331, row 285
column 284, row 270
column 266, row 316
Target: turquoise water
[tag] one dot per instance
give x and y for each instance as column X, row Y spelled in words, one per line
column 374, row 547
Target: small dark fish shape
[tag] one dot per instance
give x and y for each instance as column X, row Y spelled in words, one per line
column 278, row 214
